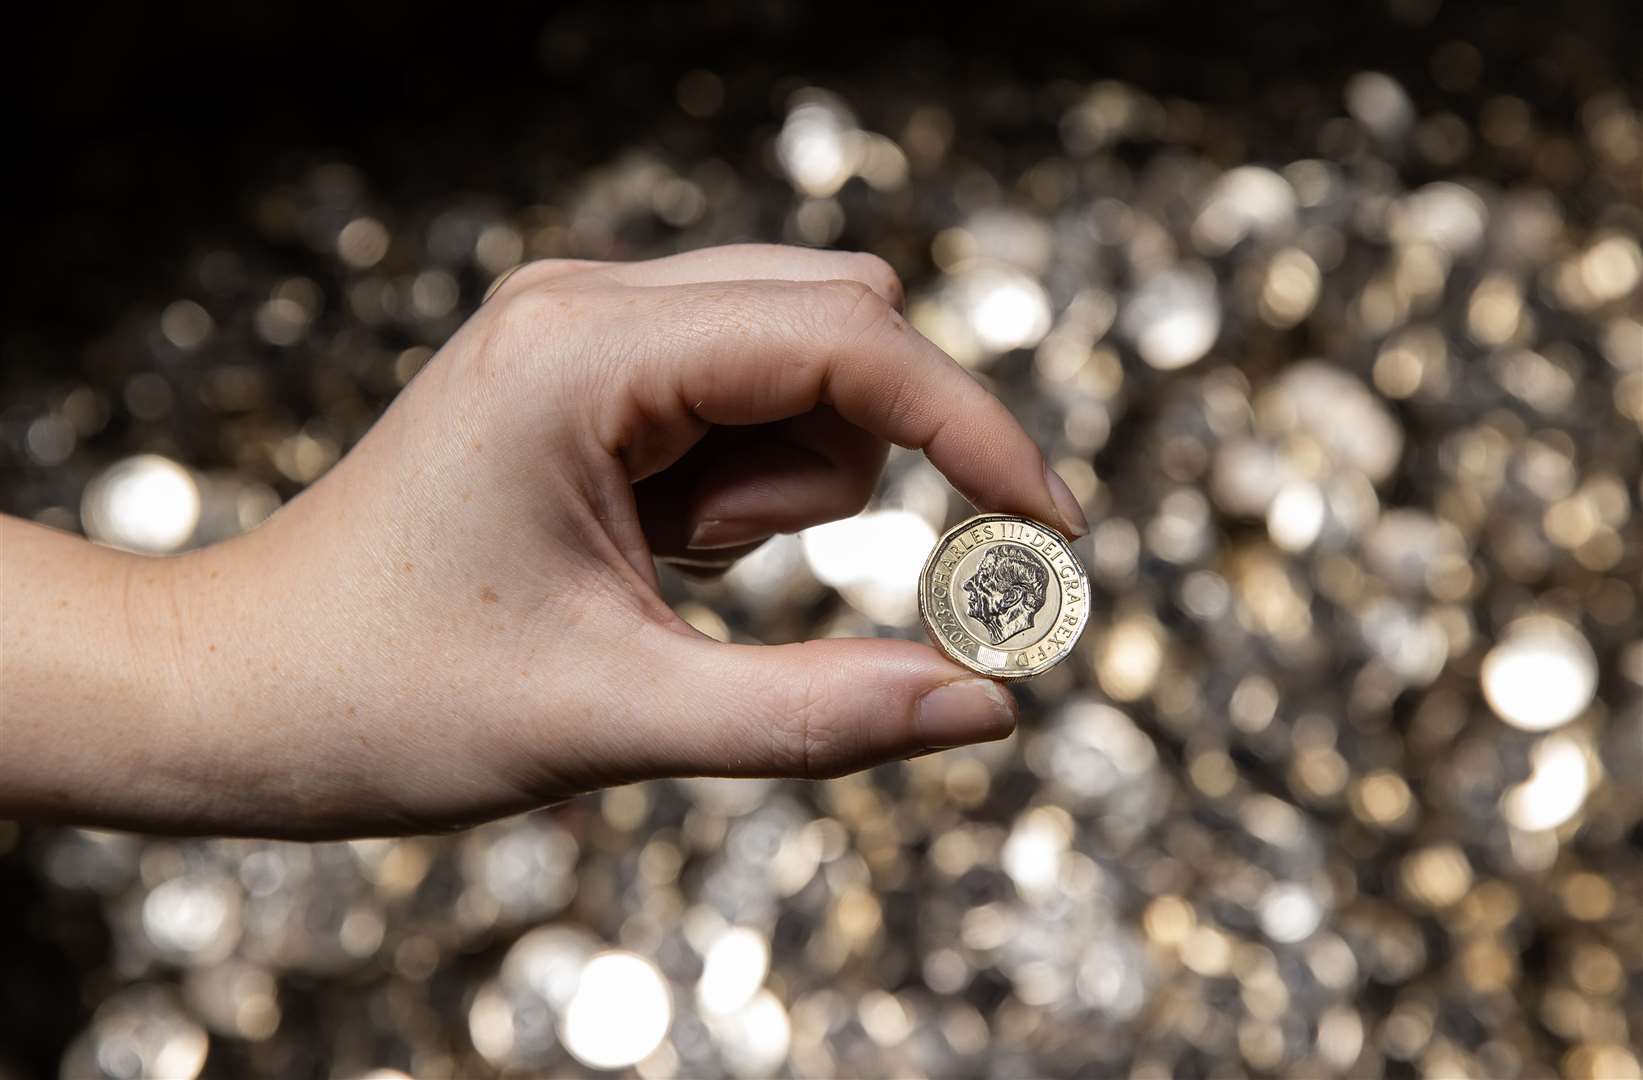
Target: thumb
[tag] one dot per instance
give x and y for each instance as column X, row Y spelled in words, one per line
column 817, row 708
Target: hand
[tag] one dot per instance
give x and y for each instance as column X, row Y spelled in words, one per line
column 462, row 620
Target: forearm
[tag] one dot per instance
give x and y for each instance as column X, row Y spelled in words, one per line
column 241, row 689
column 95, row 718
column 154, row 694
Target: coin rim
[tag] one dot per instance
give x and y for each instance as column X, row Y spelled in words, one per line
column 941, row 642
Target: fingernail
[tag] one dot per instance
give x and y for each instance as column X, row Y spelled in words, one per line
column 713, row 533
column 1072, row 515
column 963, row 712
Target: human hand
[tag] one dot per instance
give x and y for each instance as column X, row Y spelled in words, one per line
column 462, row 619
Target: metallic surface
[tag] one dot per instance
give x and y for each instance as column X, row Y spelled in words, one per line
column 1004, row 595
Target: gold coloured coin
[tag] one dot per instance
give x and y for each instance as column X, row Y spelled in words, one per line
column 1004, row 595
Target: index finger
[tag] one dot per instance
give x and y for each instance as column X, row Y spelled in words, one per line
column 729, row 262
column 751, row 352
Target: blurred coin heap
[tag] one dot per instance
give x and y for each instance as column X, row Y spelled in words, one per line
column 1342, row 779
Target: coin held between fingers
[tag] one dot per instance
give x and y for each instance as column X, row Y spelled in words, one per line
column 1004, row 596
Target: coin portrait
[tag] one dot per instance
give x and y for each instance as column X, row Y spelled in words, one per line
column 1004, row 596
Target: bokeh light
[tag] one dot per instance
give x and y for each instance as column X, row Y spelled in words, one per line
column 145, row 503
column 619, row 1013
column 1345, row 364
column 1540, row 674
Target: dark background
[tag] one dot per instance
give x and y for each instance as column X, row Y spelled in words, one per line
column 140, row 128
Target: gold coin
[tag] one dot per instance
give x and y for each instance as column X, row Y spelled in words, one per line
column 1004, row 595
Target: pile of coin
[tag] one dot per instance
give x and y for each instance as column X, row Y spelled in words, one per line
column 1338, row 777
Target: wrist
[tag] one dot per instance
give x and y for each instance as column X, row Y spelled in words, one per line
column 303, row 666
column 267, row 741
column 178, row 772
column 97, row 714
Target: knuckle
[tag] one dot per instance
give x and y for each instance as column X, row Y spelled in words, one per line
column 550, row 303
column 524, row 314
column 529, row 276
column 519, row 328
column 541, row 270
column 853, row 309
column 880, row 276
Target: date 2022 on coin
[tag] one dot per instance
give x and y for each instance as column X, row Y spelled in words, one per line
column 1004, row 595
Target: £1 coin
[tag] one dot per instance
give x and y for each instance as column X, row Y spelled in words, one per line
column 1004, row 595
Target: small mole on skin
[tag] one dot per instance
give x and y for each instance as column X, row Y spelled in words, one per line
column 352, row 712
column 409, row 568
column 215, row 574
column 487, row 595
column 478, row 445
column 210, row 648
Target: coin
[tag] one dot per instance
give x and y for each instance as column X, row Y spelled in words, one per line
column 1004, row 595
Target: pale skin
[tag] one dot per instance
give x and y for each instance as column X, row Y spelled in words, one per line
column 461, row 620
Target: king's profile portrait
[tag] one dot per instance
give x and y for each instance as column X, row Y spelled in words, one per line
column 1007, row 591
